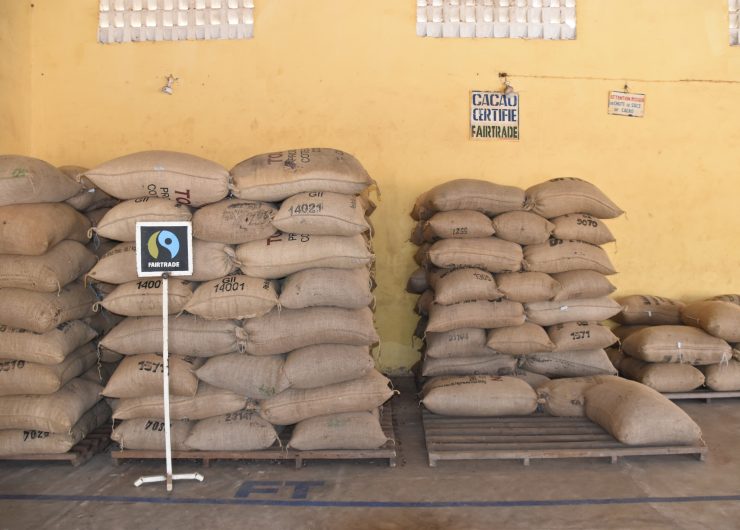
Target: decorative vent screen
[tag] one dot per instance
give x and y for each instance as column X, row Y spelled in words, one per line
column 513, row 19
column 160, row 20
column 734, row 22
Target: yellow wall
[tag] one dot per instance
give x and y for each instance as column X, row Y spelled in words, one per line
column 15, row 76
column 353, row 75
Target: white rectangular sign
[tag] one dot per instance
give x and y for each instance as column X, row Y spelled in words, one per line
column 626, row 104
column 494, row 115
column 164, row 246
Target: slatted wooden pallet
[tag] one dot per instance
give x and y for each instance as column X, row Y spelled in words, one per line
column 95, row 442
column 530, row 437
column 704, row 393
column 278, row 452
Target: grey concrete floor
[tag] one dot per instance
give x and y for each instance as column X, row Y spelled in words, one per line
column 642, row 492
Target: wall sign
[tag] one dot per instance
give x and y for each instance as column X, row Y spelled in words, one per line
column 494, row 115
column 626, row 104
column 164, row 247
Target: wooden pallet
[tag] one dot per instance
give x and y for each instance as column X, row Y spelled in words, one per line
column 705, row 394
column 278, row 452
column 530, row 437
column 95, row 442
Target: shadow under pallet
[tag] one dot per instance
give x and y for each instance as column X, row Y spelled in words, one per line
column 705, row 394
column 528, row 438
column 280, row 452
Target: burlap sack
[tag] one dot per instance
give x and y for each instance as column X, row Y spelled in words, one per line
column 141, row 375
column 211, row 261
column 718, row 318
column 242, row 430
column 147, row 434
column 348, row 430
column 21, row 377
column 586, row 309
column 479, row 395
column 277, row 176
column 294, row 405
column 519, row 340
column 663, row 377
column 233, row 298
column 42, row 312
column 208, row 401
column 417, row 233
column 582, row 227
column 33, row 442
column 120, row 222
column 101, row 246
column 33, row 229
column 55, row 413
column 524, row 228
column 188, row 336
column 468, row 194
column 290, row 329
column 246, row 375
column 284, row 254
column 527, row 286
column 26, row 180
column 562, row 196
column 457, row 224
column 103, row 321
column 637, row 415
column 89, row 197
column 565, row 397
column 562, row 256
column 76, row 173
column 581, row 335
column 496, row 364
column 622, row 332
column 676, row 344
column 49, row 272
column 51, row 347
column 732, row 298
column 641, row 309
column 322, row 213
column 433, row 274
column 424, row 302
column 97, row 215
column 464, row 342
column 582, row 284
column 118, row 265
column 478, row 314
column 568, row 364
column 421, row 256
column 348, row 288
column 143, row 297
column 180, row 177
column 616, row 356
column 327, row 364
column 491, row 254
column 234, row 221
column 417, row 283
column 724, row 377
column 463, row 285
column 532, row 379
column 100, row 373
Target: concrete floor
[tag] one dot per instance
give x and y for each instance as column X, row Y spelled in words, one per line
column 643, row 492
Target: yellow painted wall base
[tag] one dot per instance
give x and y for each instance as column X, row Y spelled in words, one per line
column 354, row 76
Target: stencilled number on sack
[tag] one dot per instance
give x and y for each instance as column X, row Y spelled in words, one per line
column 460, row 231
column 229, row 285
column 457, row 337
column 580, row 335
column 303, row 238
column 154, row 426
column 238, row 416
column 307, row 208
column 149, row 284
column 150, row 366
column 583, row 221
column 482, row 277
column 7, row 366
column 556, row 242
column 164, row 192
column 34, row 435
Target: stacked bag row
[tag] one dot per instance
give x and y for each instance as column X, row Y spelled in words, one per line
column 49, row 371
column 277, row 265
column 513, row 292
column 675, row 347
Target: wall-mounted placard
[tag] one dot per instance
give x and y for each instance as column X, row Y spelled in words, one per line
column 494, row 115
column 626, row 104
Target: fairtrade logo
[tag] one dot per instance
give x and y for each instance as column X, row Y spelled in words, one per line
column 166, row 239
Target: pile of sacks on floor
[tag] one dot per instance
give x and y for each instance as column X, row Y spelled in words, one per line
column 274, row 326
column 49, row 372
column 675, row 347
column 513, row 290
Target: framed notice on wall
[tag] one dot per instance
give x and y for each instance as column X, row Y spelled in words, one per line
column 494, row 115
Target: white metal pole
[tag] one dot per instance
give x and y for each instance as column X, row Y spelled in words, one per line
column 166, row 376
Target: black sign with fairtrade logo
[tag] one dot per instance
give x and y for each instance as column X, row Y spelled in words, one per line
column 164, row 247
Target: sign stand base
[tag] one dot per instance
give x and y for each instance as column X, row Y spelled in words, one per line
column 168, row 480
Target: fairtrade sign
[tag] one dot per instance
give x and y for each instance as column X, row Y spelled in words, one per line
column 164, row 247
column 494, row 115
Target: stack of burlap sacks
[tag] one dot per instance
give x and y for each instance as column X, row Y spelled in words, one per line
column 49, row 371
column 514, row 291
column 244, row 358
column 675, row 347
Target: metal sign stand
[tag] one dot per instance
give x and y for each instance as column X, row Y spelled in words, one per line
column 168, row 477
